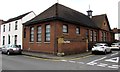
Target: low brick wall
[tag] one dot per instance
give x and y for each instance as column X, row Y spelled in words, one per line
column 73, row 47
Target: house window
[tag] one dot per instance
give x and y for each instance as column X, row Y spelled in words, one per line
column 15, row 39
column 39, row 34
column 8, row 39
column 47, row 33
column 95, row 36
column 65, row 28
column 24, row 32
column 9, row 26
column 3, row 40
column 78, row 30
column 4, row 28
column 16, row 25
column 31, row 34
column 87, row 34
column 104, row 36
column 91, row 35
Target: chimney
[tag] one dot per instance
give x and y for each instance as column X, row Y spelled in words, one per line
column 89, row 12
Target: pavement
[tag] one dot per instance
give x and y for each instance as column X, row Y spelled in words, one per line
column 55, row 57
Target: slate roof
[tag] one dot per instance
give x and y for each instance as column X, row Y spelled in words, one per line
column 99, row 19
column 63, row 13
column 18, row 17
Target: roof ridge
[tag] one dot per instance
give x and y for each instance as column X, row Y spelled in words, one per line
column 99, row 15
column 17, row 17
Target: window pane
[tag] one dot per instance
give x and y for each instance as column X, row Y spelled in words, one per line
column 47, row 30
column 47, row 34
column 16, row 25
column 91, row 35
column 4, row 28
column 32, row 34
column 95, row 36
column 39, row 33
column 47, row 26
column 77, row 30
column 65, row 29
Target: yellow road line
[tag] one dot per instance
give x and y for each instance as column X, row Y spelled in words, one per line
column 41, row 58
column 88, row 56
column 60, row 59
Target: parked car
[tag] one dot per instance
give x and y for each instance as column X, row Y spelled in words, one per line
column 101, row 47
column 115, row 46
column 11, row 49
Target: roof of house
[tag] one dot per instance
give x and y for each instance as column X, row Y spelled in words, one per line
column 18, row 17
column 99, row 19
column 63, row 13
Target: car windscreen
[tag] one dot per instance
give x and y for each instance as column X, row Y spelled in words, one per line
column 15, row 46
column 97, row 45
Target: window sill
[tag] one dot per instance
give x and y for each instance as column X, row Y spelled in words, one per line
column 65, row 34
column 47, row 42
column 38, row 42
column 31, row 42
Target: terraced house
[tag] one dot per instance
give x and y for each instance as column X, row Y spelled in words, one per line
column 11, row 30
column 62, row 30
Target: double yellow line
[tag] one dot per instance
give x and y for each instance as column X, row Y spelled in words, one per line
column 59, row 59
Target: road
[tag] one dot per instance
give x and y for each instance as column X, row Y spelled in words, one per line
column 90, row 62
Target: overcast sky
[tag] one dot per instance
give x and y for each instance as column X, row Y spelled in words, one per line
column 13, row 8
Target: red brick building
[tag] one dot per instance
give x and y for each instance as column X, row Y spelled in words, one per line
column 60, row 29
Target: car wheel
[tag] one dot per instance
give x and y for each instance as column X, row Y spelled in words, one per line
column 8, row 53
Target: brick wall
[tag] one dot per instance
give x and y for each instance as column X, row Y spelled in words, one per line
column 77, row 43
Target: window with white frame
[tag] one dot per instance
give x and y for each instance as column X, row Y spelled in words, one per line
column 47, row 33
column 31, row 34
column 39, row 31
column 8, row 39
column 3, row 28
column 77, row 30
column 65, row 28
column 9, row 26
column 15, row 40
column 16, row 25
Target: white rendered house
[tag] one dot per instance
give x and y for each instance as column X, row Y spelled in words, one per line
column 11, row 30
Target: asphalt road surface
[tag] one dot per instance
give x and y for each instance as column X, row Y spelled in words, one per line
column 90, row 62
